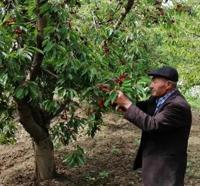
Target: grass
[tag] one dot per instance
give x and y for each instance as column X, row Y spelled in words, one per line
column 194, row 102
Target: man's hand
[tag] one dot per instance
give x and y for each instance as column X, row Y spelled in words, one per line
column 122, row 101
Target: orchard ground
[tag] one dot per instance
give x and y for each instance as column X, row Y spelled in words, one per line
column 109, row 157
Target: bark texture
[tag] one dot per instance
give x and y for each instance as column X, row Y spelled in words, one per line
column 44, row 159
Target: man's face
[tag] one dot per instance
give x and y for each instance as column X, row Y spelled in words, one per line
column 159, row 86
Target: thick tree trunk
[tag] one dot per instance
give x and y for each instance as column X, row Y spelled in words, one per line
column 44, row 160
column 37, row 127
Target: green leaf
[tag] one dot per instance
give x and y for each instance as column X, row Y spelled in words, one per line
column 34, row 93
column 3, row 79
column 49, row 46
column 37, row 50
column 21, row 92
column 76, row 158
column 110, row 99
column 93, row 73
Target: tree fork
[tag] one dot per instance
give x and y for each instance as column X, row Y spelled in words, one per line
column 27, row 120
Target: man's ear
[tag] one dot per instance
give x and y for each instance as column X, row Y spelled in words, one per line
column 169, row 85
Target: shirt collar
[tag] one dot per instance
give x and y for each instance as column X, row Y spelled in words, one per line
column 162, row 99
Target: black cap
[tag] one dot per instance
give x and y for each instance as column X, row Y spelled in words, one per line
column 165, row 72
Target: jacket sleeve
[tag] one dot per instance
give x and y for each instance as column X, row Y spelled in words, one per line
column 143, row 105
column 172, row 116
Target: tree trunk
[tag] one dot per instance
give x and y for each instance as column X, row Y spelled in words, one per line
column 43, row 147
column 32, row 117
column 44, row 159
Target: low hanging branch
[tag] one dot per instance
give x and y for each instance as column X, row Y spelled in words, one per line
column 128, row 7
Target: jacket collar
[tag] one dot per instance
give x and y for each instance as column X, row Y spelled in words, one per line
column 174, row 94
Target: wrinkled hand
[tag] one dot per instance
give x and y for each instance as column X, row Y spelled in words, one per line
column 122, row 101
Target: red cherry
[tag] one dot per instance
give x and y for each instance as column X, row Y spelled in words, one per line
column 104, row 87
column 101, row 103
column 18, row 31
column 121, row 78
column 106, row 48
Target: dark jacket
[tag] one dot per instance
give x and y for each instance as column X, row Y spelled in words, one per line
column 163, row 149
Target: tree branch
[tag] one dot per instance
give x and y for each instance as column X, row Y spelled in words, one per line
column 62, row 107
column 123, row 16
column 38, row 57
column 50, row 73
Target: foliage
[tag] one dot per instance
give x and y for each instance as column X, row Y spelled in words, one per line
column 7, row 133
column 7, row 130
column 7, row 127
column 64, row 132
column 77, row 56
column 75, row 158
column 180, row 41
column 194, row 102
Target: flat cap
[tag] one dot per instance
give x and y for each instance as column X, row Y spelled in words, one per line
column 166, row 72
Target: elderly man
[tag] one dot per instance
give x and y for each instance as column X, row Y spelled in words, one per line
column 165, row 121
